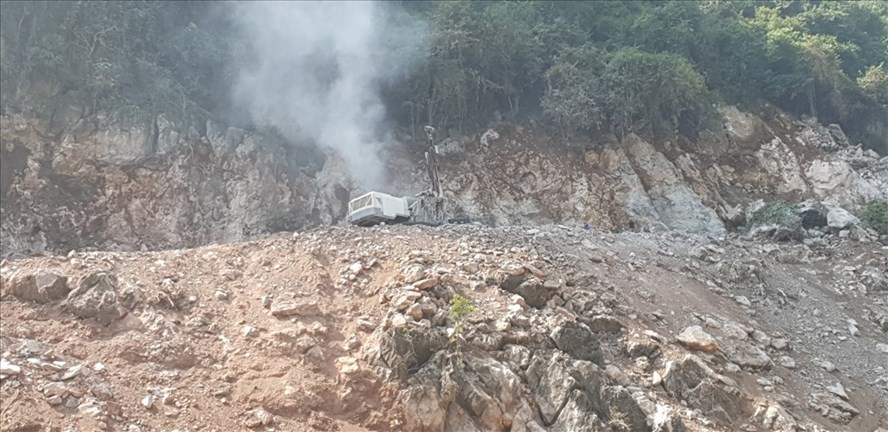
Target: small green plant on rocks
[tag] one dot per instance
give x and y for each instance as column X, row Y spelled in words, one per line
column 461, row 308
column 777, row 213
column 875, row 215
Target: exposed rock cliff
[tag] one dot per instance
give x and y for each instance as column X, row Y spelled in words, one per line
column 152, row 185
column 514, row 175
column 156, row 187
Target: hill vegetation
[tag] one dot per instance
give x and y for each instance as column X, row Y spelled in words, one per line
column 581, row 66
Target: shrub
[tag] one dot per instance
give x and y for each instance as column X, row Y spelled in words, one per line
column 659, row 89
column 573, row 98
column 777, row 213
column 460, row 310
column 875, row 215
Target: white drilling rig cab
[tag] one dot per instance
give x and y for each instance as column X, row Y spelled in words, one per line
column 425, row 208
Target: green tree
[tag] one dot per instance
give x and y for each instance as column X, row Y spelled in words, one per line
column 874, row 84
column 573, row 96
column 658, row 90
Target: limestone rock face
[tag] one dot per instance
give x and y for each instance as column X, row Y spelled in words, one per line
column 157, row 183
column 120, row 187
column 778, row 161
column 676, row 204
column 838, row 183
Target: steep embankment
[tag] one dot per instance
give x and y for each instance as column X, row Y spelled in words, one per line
column 514, row 175
column 349, row 330
column 154, row 186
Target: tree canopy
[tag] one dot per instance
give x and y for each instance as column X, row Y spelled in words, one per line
column 580, row 66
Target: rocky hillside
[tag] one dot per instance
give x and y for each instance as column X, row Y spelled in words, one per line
column 71, row 185
column 514, row 175
column 100, row 185
column 347, row 329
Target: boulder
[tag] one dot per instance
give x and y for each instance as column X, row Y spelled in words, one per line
column 665, row 419
column 578, row 341
column 782, row 165
column 44, row 286
column 577, row 415
column 837, row 182
column 838, row 135
column 425, row 284
column 636, row 345
column 621, row 405
column 288, row 308
column 405, row 299
column 490, row 392
column 748, row 356
column 604, row 323
column 97, row 296
column 776, row 232
column 875, row 279
column 714, row 395
column 832, row 407
column 695, row 338
column 567, row 391
column 7, row 368
column 534, row 292
column 408, row 347
column 838, row 219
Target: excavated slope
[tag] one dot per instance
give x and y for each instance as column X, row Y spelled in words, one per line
column 99, row 186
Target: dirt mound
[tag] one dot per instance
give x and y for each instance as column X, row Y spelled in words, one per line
column 349, row 330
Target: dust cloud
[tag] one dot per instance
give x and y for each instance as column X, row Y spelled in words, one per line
column 317, row 71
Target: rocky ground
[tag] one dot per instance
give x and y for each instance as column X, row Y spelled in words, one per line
column 350, row 329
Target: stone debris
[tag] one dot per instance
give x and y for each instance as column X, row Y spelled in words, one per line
column 289, row 308
column 40, row 287
column 258, row 417
column 838, row 390
column 555, row 342
column 7, row 368
column 695, row 338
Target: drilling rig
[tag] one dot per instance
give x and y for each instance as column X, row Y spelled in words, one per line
column 426, row 208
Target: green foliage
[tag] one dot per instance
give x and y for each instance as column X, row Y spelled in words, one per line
column 733, row 59
column 587, row 66
column 875, row 215
column 573, row 96
column 874, row 84
column 813, row 55
column 660, row 89
column 777, row 213
column 117, row 55
column 673, row 27
column 461, row 308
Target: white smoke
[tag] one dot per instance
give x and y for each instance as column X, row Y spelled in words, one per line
column 317, row 72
